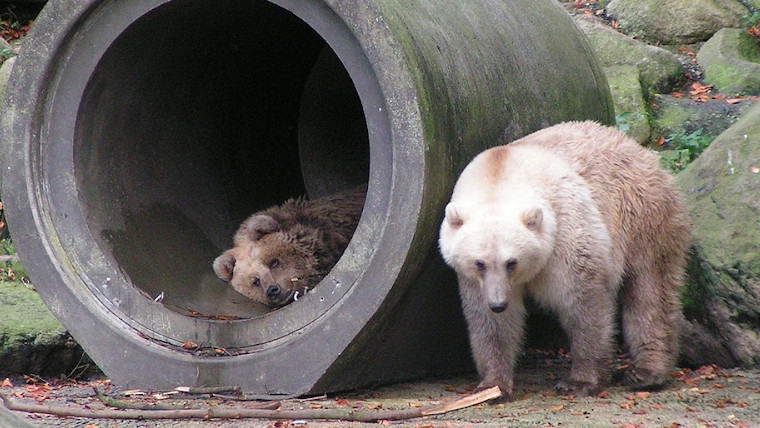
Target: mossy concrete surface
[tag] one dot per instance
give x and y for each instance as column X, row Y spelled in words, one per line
column 722, row 188
column 731, row 61
column 32, row 341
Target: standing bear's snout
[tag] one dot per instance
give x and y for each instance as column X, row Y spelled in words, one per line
column 498, row 307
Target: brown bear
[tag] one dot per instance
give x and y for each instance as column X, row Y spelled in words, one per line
column 582, row 219
column 282, row 252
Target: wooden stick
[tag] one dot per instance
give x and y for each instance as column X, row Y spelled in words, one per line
column 238, row 413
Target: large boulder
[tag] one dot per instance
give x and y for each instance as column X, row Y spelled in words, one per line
column 676, row 21
column 731, row 61
column 722, row 298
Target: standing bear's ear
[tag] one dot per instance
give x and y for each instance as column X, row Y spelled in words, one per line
column 257, row 226
column 532, row 218
column 224, row 265
column 454, row 215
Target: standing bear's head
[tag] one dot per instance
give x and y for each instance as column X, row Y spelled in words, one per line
column 271, row 266
column 498, row 247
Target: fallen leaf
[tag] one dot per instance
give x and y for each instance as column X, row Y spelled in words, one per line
column 190, row 345
column 642, row 394
column 7, row 383
column 661, row 141
column 755, row 170
column 557, row 408
column 341, row 402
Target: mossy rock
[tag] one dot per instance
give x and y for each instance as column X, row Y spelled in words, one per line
column 627, row 96
column 32, row 341
column 676, row 21
column 659, row 70
column 731, row 61
column 681, row 115
column 722, row 188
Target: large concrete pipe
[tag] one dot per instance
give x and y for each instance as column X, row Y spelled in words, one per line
column 137, row 134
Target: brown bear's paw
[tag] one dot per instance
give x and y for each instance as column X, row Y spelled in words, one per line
column 580, row 389
column 644, row 379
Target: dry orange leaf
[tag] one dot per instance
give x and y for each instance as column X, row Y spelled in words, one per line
column 557, row 408
column 189, row 345
column 642, row 394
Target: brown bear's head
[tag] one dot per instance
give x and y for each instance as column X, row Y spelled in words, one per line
column 275, row 269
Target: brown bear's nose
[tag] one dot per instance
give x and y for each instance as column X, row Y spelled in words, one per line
column 274, row 291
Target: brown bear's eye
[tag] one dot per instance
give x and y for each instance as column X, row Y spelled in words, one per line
column 511, row 264
column 274, row 263
column 480, row 265
column 256, row 282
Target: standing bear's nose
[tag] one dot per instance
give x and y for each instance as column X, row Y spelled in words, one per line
column 274, row 291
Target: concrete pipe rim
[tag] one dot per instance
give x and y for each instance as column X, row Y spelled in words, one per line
column 43, row 199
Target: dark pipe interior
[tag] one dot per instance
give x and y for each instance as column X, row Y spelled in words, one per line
column 198, row 115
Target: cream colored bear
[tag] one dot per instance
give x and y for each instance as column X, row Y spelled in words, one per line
column 583, row 220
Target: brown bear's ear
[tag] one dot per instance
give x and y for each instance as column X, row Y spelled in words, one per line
column 257, row 226
column 224, row 265
column 454, row 216
column 533, row 218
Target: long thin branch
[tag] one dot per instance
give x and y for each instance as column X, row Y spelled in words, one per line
column 238, row 413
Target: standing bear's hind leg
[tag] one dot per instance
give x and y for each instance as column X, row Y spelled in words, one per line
column 650, row 306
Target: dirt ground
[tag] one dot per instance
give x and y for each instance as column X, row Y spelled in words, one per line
column 705, row 397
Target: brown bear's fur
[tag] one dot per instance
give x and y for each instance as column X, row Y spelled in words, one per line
column 578, row 216
column 283, row 251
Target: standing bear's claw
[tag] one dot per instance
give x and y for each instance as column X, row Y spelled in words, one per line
column 644, row 379
column 580, row 389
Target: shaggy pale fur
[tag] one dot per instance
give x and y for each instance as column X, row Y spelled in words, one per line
column 282, row 252
column 577, row 216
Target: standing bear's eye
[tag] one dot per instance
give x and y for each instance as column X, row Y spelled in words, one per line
column 480, row 266
column 256, row 282
column 511, row 264
column 274, row 263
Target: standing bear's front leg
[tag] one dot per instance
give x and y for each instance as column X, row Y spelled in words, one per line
column 495, row 338
column 589, row 319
